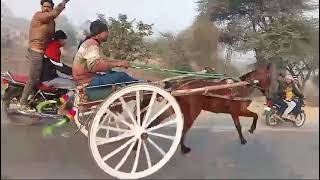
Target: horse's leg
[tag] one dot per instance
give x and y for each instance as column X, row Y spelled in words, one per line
column 236, row 121
column 249, row 113
column 145, row 104
column 186, row 127
column 189, row 118
column 161, row 117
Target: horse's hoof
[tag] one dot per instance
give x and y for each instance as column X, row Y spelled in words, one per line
column 185, row 150
column 243, row 141
column 251, row 131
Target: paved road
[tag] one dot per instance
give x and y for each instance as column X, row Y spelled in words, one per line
column 279, row 152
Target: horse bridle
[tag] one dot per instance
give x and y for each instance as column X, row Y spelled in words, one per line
column 254, row 83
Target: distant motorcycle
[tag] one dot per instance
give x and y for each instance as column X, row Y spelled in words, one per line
column 273, row 115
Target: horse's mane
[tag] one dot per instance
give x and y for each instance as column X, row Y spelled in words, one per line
column 244, row 77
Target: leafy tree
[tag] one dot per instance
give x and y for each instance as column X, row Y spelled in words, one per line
column 126, row 40
column 292, row 44
column 239, row 17
column 275, row 30
column 192, row 49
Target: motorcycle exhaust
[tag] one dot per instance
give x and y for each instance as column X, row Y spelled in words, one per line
column 35, row 114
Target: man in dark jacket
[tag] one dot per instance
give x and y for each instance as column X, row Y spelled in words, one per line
column 279, row 96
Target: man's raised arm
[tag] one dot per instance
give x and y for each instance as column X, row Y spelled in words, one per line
column 46, row 17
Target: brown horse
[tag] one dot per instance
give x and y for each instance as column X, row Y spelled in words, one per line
column 215, row 101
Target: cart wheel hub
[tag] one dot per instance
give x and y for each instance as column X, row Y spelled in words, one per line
column 144, row 136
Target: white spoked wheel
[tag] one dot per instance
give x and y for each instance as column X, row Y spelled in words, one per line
column 84, row 116
column 141, row 144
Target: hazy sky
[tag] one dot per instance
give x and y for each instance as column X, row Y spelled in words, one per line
column 167, row 15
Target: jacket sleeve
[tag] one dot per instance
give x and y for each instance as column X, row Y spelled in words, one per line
column 61, row 67
column 64, row 69
column 46, row 17
column 280, row 91
column 297, row 92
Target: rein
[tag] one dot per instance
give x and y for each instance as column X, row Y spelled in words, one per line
column 186, row 73
column 174, row 71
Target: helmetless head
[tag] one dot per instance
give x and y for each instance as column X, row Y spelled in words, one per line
column 99, row 30
column 289, row 79
column 60, row 36
column 46, row 5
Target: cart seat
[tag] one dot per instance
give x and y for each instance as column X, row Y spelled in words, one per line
column 98, row 93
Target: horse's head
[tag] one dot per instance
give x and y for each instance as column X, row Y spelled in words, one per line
column 264, row 75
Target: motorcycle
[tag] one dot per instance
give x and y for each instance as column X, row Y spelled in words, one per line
column 45, row 101
column 273, row 115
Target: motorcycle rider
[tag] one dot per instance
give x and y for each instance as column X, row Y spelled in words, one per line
column 291, row 92
column 279, row 97
column 42, row 27
column 55, row 73
column 298, row 101
column 297, row 83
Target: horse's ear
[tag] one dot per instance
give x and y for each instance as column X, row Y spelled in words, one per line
column 269, row 67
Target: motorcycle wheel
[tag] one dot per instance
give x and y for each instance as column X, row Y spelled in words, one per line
column 301, row 119
column 15, row 118
column 9, row 94
column 270, row 119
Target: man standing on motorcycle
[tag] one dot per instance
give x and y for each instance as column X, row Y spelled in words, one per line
column 42, row 27
column 291, row 92
column 88, row 62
